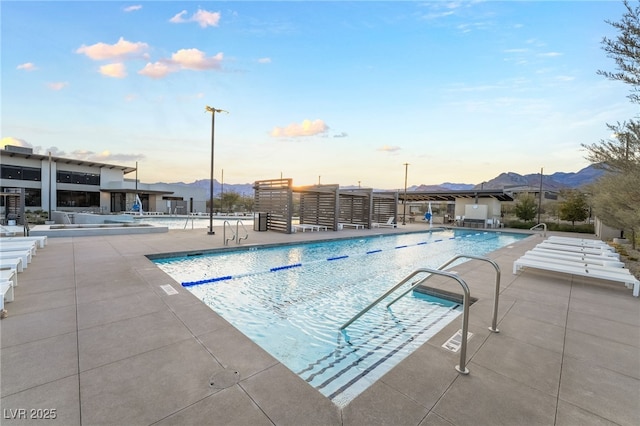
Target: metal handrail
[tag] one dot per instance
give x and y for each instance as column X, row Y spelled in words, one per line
column 494, row 322
column 246, row 234
column 190, row 215
column 461, row 368
column 224, row 232
column 544, row 227
column 235, row 235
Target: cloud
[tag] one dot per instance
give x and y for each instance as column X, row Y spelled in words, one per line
column 81, row 154
column 36, row 149
column 194, row 59
column 116, row 70
column 306, row 128
column 341, row 135
column 120, row 50
column 183, row 59
column 133, row 8
column 550, row 54
column 105, row 156
column 28, row 66
column 201, row 17
column 387, row 148
column 264, row 60
column 156, row 70
column 57, row 85
column 10, row 140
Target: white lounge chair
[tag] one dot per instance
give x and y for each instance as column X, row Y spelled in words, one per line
column 575, row 249
column 41, row 240
column 11, row 263
column 6, row 293
column 580, row 243
column 610, row 274
column 9, row 275
column 351, row 225
column 32, row 246
column 576, row 257
column 388, row 224
column 575, row 262
column 25, row 255
column 302, row 227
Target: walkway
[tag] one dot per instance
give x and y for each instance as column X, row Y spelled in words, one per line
column 93, row 336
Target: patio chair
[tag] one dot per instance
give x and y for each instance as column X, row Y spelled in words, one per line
column 388, row 224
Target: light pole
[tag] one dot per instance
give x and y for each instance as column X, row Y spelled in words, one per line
column 540, row 195
column 213, row 125
column 404, row 202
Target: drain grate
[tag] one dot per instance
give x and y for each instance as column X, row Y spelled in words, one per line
column 224, row 379
column 455, row 341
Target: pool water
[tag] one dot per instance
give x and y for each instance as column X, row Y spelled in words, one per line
column 292, row 300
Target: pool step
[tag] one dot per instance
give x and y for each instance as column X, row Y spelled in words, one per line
column 369, row 356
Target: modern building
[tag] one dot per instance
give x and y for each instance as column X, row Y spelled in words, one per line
column 51, row 183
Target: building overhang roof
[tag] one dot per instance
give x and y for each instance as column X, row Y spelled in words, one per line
column 134, row 191
column 454, row 195
column 39, row 157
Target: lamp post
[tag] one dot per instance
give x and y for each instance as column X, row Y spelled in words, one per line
column 404, row 202
column 213, row 122
column 540, row 195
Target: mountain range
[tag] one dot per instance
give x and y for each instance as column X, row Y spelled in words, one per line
column 555, row 181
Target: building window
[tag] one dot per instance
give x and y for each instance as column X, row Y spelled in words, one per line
column 78, row 199
column 32, row 197
column 21, row 173
column 64, row 176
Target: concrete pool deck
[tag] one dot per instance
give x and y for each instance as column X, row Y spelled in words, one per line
column 93, row 338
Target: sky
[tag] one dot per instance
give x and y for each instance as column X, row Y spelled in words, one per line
column 342, row 92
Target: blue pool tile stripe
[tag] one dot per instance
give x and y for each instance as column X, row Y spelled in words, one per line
column 337, row 258
column 280, row 268
column 401, row 246
column 374, row 251
column 207, row 281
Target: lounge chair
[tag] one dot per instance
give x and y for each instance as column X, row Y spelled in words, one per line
column 576, row 249
column 576, row 257
column 11, row 263
column 351, row 225
column 32, row 246
column 9, row 275
column 610, row 274
column 589, row 263
column 6, row 295
column 388, row 224
column 24, row 255
column 41, row 240
column 575, row 242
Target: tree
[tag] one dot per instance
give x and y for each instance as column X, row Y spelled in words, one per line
column 574, row 207
column 228, row 200
column 625, row 50
column 620, row 154
column 525, row 208
column 616, row 196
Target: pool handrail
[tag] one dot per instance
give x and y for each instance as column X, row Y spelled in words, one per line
column 189, row 216
column 544, row 228
column 234, row 235
column 461, row 368
column 494, row 322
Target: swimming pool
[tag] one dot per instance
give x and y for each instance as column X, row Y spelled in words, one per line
column 292, row 300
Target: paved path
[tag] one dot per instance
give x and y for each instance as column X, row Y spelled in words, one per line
column 92, row 338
